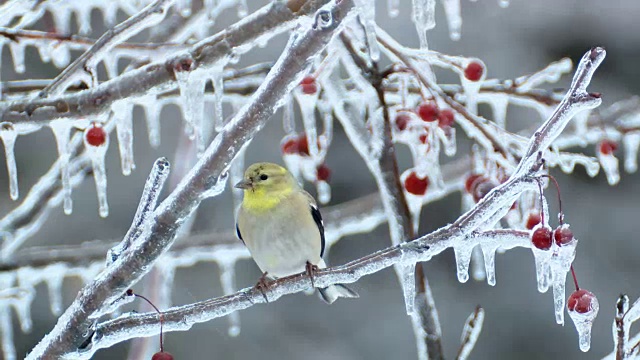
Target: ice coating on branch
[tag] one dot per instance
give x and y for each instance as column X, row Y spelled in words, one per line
column 470, row 332
column 288, row 117
column 123, row 112
column 423, row 16
column 631, row 143
column 61, row 130
column 97, row 154
column 367, row 11
column 8, row 134
column 6, row 331
column 17, row 54
column 454, row 19
column 217, row 80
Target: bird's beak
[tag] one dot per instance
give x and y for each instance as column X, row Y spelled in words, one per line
column 244, row 184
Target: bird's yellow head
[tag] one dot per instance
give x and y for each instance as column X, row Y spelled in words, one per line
column 265, row 185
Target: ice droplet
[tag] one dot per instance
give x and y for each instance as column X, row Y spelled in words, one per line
column 122, row 112
column 477, row 265
column 8, row 136
column 61, row 131
column 543, row 271
column 489, row 252
column 324, row 191
column 152, row 109
column 452, row 12
column 408, row 278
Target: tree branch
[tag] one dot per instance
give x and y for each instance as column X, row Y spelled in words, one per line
column 206, row 179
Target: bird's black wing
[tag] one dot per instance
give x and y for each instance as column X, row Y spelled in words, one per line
column 238, row 233
column 318, row 219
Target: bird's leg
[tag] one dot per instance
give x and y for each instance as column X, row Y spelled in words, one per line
column 311, row 271
column 263, row 286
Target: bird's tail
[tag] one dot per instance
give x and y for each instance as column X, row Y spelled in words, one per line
column 332, row 292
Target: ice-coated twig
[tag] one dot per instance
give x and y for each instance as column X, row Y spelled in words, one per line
column 270, row 20
column 620, row 331
column 470, row 332
column 150, row 15
column 182, row 318
column 425, row 323
column 207, row 178
column 147, row 204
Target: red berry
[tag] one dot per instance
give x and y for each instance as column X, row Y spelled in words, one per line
column 563, row 235
column 468, row 184
column 428, row 112
column 582, row 301
column 423, row 138
column 402, row 120
column 542, row 238
column 608, row 147
column 290, row 145
column 186, row 64
column 95, row 135
column 474, row 71
column 445, row 118
column 323, row 173
column 480, row 189
column 415, row 185
column 162, row 356
column 308, row 85
column 533, row 220
column 303, row 145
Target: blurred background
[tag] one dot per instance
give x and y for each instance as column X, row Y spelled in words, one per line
column 519, row 322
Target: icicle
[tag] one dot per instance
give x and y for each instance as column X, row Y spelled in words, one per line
column 227, row 280
column 60, row 55
column 217, row 80
column 111, row 66
column 489, row 253
column 61, row 130
column 560, row 266
column 61, row 18
column 152, row 109
column 324, row 191
column 503, row 3
column 17, row 53
column 96, row 151
column 631, row 143
column 192, row 86
column 243, row 10
column 408, row 282
column 367, row 11
column 609, row 164
column 22, row 304
column 452, row 12
column 184, row 7
column 83, row 17
column 423, row 16
column 8, row 135
column 123, row 112
column 54, row 276
column 477, row 265
column 6, row 329
column 463, row 258
column 543, row 272
column 583, row 323
column 499, row 104
column 393, row 8
column 449, row 141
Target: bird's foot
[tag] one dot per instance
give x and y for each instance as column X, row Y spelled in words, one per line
column 311, row 271
column 263, row 286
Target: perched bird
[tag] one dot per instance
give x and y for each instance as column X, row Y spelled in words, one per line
column 281, row 226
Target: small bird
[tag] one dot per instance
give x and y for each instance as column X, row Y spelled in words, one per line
column 281, row 226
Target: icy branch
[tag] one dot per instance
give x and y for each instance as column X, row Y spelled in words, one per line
column 85, row 64
column 206, row 179
column 470, row 333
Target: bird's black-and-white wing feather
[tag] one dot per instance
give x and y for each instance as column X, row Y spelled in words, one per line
column 238, row 233
column 318, row 219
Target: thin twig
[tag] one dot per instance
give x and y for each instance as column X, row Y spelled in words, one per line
column 621, row 337
column 470, row 331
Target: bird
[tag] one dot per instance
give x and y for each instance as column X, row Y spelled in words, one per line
column 282, row 227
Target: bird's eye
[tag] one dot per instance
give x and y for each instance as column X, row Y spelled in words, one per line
column 264, row 177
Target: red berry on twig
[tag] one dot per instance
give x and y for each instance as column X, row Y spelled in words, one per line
column 533, row 220
column 581, row 301
column 468, row 184
column 162, row 356
column 308, row 85
column 402, row 120
column 563, row 235
column 290, row 146
column 95, row 135
column 428, row 112
column 474, row 71
column 445, row 118
column 323, row 172
column 416, row 185
column 608, row 147
column 542, row 238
